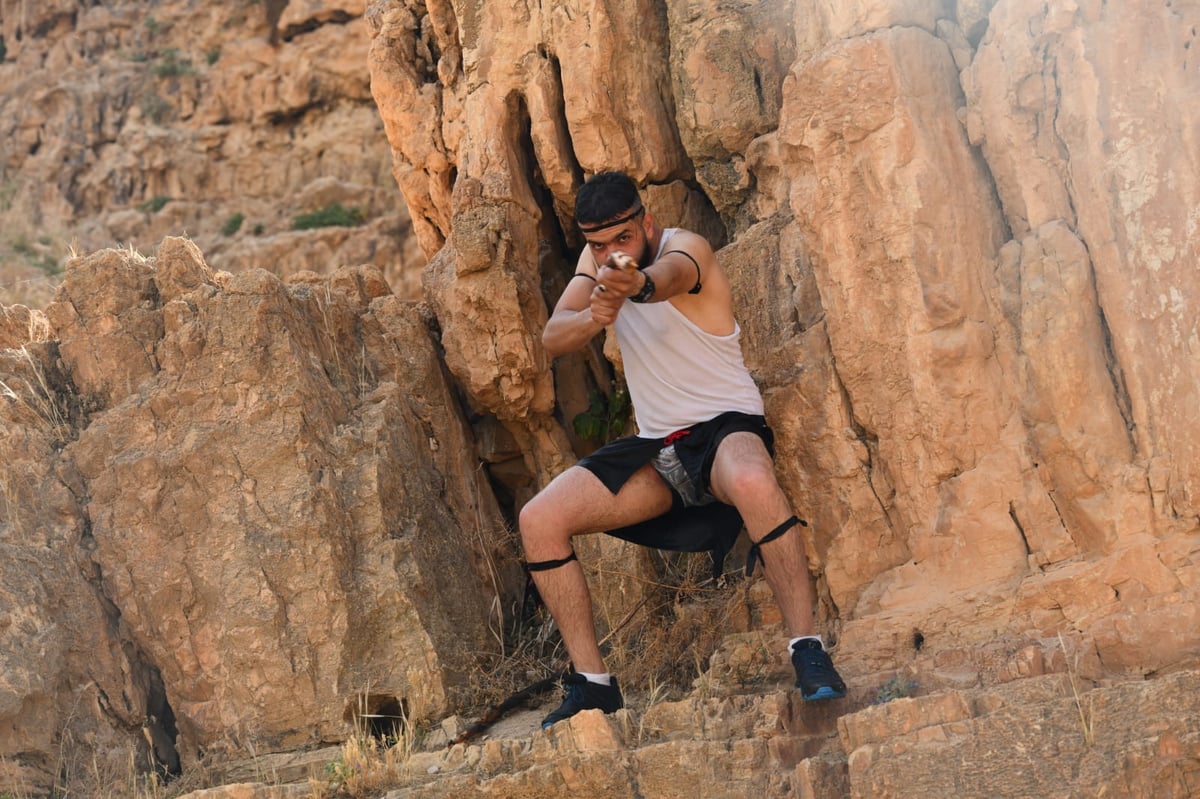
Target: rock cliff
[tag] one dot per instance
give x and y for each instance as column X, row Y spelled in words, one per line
column 123, row 122
column 242, row 508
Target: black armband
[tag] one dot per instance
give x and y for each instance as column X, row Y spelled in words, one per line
column 696, row 288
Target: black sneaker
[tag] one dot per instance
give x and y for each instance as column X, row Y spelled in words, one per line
column 815, row 675
column 579, row 694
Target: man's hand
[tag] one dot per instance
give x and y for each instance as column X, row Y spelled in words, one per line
column 617, row 279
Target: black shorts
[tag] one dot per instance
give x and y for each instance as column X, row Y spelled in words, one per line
column 687, row 527
column 696, row 446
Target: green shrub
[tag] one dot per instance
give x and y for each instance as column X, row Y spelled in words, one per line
column 333, row 215
column 3, row 50
column 172, row 66
column 233, row 224
column 895, row 688
column 155, row 108
column 604, row 418
column 44, row 261
column 212, row 55
column 154, row 204
column 48, row 264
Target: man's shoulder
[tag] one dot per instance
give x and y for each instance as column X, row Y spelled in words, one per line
column 678, row 238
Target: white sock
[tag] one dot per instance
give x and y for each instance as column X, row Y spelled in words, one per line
column 600, row 679
column 792, row 643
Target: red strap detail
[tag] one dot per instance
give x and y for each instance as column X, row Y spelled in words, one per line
column 673, row 437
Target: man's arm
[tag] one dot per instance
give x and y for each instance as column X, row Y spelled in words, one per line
column 591, row 303
column 688, row 262
column 571, row 325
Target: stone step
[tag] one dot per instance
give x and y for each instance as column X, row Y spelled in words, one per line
column 1043, row 736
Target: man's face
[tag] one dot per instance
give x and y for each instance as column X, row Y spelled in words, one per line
column 629, row 237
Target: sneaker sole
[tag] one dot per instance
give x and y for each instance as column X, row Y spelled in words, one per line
column 824, row 692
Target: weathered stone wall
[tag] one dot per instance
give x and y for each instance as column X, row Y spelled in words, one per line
column 122, row 123
column 962, row 236
column 238, row 513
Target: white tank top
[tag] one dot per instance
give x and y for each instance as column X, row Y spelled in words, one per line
column 679, row 375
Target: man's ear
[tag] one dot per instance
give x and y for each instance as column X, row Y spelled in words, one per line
column 648, row 223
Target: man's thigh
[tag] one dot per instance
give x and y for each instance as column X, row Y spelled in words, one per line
column 743, row 471
column 584, row 505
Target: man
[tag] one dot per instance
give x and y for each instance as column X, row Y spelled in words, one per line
column 701, row 440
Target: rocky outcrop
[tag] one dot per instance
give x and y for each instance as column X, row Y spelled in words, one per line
column 956, row 361
column 964, row 265
column 961, row 236
column 122, row 124
column 1035, row 737
column 258, row 506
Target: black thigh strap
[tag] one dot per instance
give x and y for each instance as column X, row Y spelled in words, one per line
column 547, row 565
column 756, row 548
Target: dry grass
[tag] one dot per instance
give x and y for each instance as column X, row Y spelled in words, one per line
column 34, row 396
column 685, row 616
column 1086, row 722
column 658, row 649
column 97, row 780
column 368, row 764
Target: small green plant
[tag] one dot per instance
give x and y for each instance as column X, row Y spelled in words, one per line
column 8, row 191
column 3, row 55
column 212, row 55
column 172, row 66
column 48, row 264
column 154, row 204
column 155, row 108
column 369, row 762
column 151, row 25
column 332, row 215
column 258, row 229
column 605, row 416
column 41, row 260
column 895, row 688
column 233, row 224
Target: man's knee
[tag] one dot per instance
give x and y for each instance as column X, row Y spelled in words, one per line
column 541, row 519
column 751, row 482
column 531, row 519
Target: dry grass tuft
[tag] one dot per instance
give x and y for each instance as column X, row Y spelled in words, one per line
column 32, row 394
column 1086, row 722
column 368, row 763
column 658, row 650
column 668, row 644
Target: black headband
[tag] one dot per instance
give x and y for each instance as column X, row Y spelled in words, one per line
column 592, row 228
